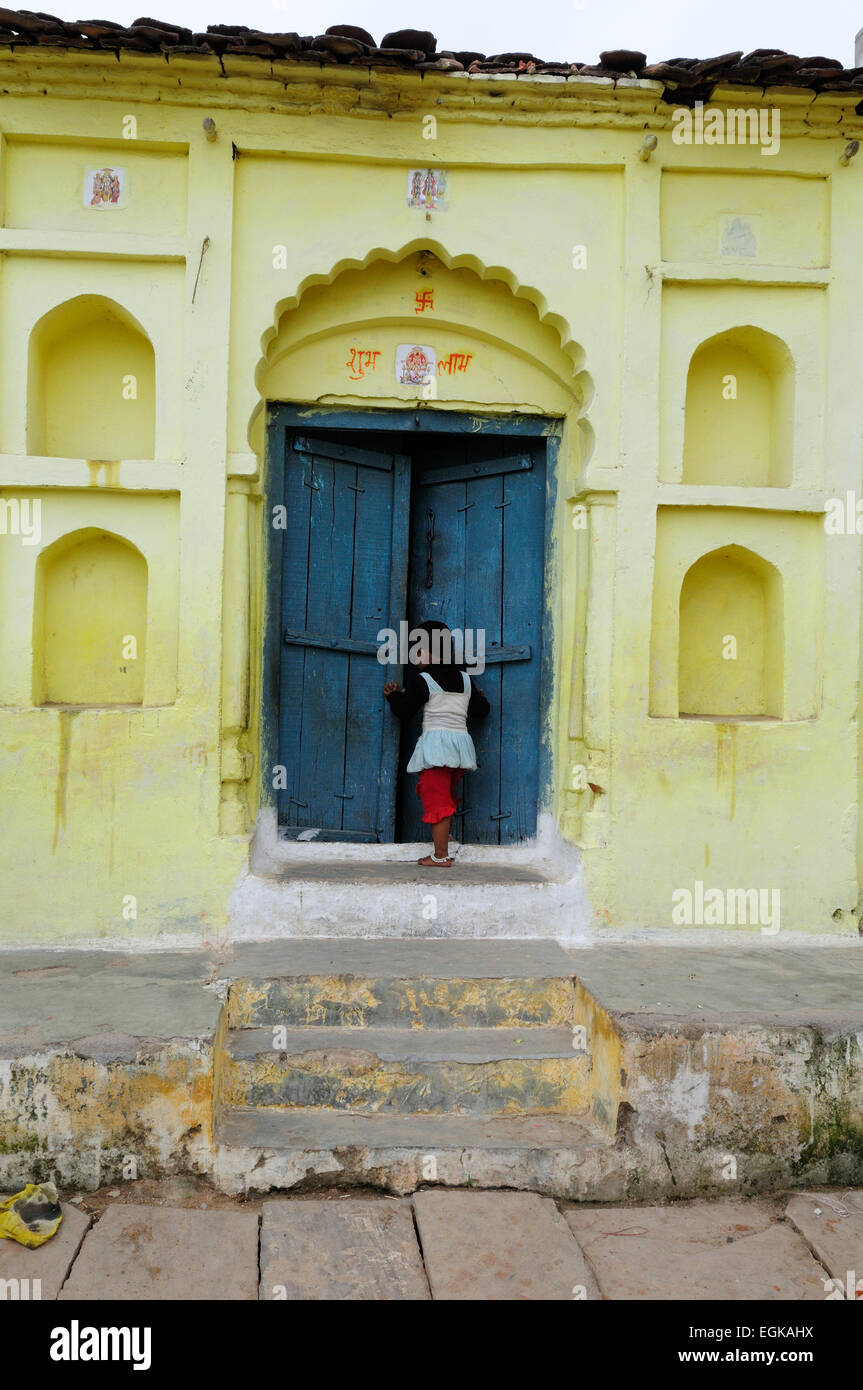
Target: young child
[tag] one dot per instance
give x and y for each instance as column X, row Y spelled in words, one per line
column 445, row 749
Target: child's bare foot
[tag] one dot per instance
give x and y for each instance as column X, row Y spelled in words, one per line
column 429, row 862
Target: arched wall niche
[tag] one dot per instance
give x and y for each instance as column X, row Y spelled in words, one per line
column 739, row 411
column 730, row 661
column 91, row 383
column 90, row 621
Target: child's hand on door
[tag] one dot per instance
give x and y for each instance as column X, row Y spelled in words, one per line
column 391, row 687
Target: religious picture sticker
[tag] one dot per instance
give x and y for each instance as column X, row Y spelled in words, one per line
column 427, row 189
column 738, row 236
column 105, row 188
column 415, row 365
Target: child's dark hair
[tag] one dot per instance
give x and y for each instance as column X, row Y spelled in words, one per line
column 440, row 644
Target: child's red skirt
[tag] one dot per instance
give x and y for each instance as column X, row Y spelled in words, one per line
column 436, row 788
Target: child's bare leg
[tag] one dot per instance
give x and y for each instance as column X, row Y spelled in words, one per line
column 440, row 836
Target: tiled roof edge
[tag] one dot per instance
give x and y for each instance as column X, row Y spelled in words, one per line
column 684, row 79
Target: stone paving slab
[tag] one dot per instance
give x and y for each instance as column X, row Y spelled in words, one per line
column 49, row 1264
column 697, row 1250
column 831, row 1223
column 499, row 1246
column 353, row 1249
column 137, row 1252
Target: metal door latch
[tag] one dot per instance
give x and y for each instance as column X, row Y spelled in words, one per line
column 430, row 540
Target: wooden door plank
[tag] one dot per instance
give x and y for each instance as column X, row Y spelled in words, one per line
column 330, row 642
column 297, row 503
column 391, row 733
column 369, row 613
column 479, row 468
column 328, row 608
column 483, row 550
column 343, row 453
column 523, row 599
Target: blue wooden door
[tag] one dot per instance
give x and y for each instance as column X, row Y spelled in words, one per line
column 344, row 573
column 477, row 548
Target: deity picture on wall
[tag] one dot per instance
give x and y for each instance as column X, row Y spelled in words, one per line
column 427, row 189
column 415, row 365
column 105, row 188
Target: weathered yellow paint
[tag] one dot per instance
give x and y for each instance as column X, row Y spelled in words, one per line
column 157, row 1110
column 602, row 1041
column 356, row 1002
column 248, row 279
column 349, row 1078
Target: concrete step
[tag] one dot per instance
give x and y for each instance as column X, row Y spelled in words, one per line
column 312, row 1131
column 320, row 1002
column 469, row 901
column 440, row 958
column 261, row 1150
column 448, row 1070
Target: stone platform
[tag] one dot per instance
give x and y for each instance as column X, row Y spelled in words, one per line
column 618, row 1070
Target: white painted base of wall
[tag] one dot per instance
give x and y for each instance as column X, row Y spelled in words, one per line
column 305, row 889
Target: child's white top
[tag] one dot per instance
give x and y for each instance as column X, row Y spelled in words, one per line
column 444, row 741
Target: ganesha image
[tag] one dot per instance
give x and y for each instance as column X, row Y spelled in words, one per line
column 415, row 365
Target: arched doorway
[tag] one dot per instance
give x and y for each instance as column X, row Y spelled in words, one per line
column 414, row 483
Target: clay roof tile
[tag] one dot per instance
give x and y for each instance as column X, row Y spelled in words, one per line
column 686, row 79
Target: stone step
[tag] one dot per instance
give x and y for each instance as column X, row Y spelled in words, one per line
column 261, row 1150
column 441, row 958
column 448, row 1070
column 352, row 900
column 309, row 1131
column 405, row 1003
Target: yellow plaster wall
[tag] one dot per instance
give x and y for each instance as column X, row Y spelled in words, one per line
column 157, row 178
column 785, row 217
column 583, row 282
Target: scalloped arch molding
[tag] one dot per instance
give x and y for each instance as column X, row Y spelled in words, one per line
column 573, row 382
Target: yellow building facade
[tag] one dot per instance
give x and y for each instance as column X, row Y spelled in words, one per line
column 187, row 243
